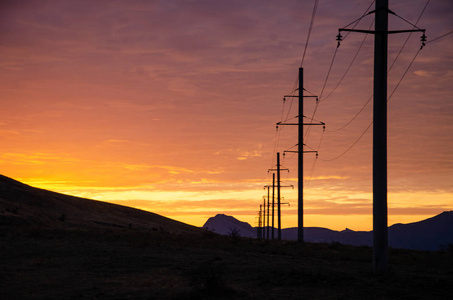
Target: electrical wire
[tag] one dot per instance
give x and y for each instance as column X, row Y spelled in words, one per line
column 353, row 118
column 350, row 147
column 389, row 98
column 313, row 14
column 388, row 71
column 332, row 62
column 415, row 26
column 328, row 74
column 312, row 169
column 366, row 13
column 349, row 67
column 410, row 34
column 404, row 74
column 439, row 37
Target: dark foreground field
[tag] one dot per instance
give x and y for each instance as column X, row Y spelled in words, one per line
column 131, row 264
column 55, row 246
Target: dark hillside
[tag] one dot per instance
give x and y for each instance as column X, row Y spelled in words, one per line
column 429, row 234
column 21, row 204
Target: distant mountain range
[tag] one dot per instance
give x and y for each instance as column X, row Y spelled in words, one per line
column 23, row 206
column 430, row 234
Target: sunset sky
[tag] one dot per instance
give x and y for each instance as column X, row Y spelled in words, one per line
column 171, row 106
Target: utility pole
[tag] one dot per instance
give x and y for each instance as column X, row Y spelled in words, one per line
column 300, row 145
column 278, row 199
column 279, row 222
column 264, row 217
column 259, row 224
column 268, row 207
column 300, row 162
column 273, row 203
column 380, row 231
column 380, row 211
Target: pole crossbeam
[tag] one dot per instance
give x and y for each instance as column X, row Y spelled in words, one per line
column 283, row 203
column 295, row 96
column 308, row 124
column 296, row 151
column 382, row 32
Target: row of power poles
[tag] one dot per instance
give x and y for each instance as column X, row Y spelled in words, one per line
column 380, row 235
column 300, row 151
column 265, row 229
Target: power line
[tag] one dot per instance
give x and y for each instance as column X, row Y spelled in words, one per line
column 350, row 147
column 366, row 13
column 349, row 67
column 415, row 26
column 313, row 14
column 404, row 74
column 353, row 118
column 332, row 62
column 391, row 66
column 444, row 35
column 410, row 34
column 393, row 92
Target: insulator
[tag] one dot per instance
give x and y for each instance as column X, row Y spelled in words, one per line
column 339, row 39
column 423, row 40
column 284, row 99
column 423, row 37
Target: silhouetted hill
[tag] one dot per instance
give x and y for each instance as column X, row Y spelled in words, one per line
column 23, row 205
column 430, row 234
column 223, row 224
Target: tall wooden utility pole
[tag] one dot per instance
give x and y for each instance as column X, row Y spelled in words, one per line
column 264, row 217
column 269, row 204
column 279, row 214
column 300, row 164
column 259, row 232
column 273, row 203
column 380, row 231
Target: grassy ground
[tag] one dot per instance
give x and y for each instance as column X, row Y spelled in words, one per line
column 133, row 264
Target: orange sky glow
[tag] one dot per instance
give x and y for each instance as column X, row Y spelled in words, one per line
column 171, row 106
